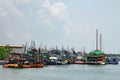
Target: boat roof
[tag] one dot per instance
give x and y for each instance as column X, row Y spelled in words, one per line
column 52, row 57
column 12, row 45
column 96, row 52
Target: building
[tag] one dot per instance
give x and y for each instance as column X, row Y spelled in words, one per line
column 16, row 48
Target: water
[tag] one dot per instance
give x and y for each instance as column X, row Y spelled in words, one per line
column 63, row 72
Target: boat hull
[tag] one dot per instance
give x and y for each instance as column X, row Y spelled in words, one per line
column 10, row 66
column 76, row 62
column 25, row 65
column 79, row 61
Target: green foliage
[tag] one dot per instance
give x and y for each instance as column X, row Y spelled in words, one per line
column 5, row 52
column 1, row 52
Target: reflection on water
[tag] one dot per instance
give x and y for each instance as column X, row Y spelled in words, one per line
column 63, row 72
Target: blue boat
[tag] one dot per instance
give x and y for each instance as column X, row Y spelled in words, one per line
column 2, row 62
column 112, row 60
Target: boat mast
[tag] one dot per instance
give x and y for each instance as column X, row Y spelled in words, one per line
column 45, row 50
column 96, row 39
column 67, row 48
column 83, row 50
column 56, row 47
column 25, row 48
column 62, row 48
column 31, row 44
column 100, row 42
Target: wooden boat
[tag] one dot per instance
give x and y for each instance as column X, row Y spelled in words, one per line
column 33, row 65
column 10, row 65
column 24, row 65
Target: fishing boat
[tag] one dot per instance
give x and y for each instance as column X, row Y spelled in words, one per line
column 62, row 62
column 2, row 62
column 21, row 64
column 23, row 61
column 111, row 60
column 57, row 57
column 79, row 60
column 52, row 60
column 33, row 65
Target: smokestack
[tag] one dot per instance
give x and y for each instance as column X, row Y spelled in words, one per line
column 96, row 39
column 100, row 42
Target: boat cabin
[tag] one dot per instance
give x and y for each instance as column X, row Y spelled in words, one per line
column 95, row 57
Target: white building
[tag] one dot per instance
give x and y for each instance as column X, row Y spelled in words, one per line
column 16, row 48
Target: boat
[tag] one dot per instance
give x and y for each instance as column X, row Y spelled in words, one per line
column 7, row 65
column 111, row 60
column 23, row 61
column 79, row 60
column 62, row 62
column 52, row 60
column 21, row 64
column 2, row 62
column 33, row 65
column 81, row 57
column 57, row 57
column 96, row 58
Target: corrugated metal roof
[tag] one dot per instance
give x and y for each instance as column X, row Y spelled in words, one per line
column 12, row 45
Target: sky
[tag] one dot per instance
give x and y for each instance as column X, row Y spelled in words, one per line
column 60, row 23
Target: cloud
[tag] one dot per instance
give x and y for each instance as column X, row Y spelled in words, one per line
column 57, row 9
column 2, row 12
column 51, row 13
column 14, row 11
column 8, row 7
column 49, row 23
column 68, row 28
column 12, row 36
column 23, row 1
column 71, row 30
column 25, row 36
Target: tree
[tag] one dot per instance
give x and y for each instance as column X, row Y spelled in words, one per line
column 1, row 52
column 5, row 52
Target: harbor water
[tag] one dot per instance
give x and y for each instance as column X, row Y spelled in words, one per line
column 63, row 72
